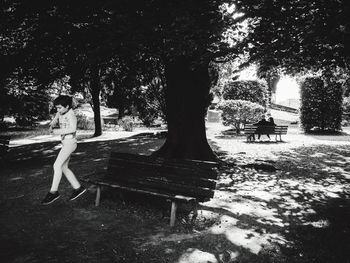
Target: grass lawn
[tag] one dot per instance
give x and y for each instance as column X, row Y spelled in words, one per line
column 298, row 213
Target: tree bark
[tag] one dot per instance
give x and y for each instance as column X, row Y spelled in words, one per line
column 187, row 98
column 95, row 89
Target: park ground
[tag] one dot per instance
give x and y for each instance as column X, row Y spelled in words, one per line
column 295, row 208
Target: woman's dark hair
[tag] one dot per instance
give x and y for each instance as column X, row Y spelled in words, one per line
column 63, row 100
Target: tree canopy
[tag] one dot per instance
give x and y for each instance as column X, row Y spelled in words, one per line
column 297, row 35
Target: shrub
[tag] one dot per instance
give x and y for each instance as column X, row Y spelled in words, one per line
column 237, row 113
column 249, row 90
column 321, row 105
column 127, row 123
column 84, row 122
column 151, row 102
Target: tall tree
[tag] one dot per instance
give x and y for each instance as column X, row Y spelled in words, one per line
column 186, row 36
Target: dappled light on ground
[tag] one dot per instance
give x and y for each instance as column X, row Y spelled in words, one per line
column 282, row 216
column 254, row 210
column 297, row 212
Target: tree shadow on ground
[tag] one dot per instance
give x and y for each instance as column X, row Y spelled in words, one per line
column 300, row 213
column 70, row 231
column 45, row 152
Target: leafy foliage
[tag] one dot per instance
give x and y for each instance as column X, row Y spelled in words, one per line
column 32, row 106
column 249, row 90
column 151, row 102
column 321, row 104
column 237, row 113
column 27, row 100
column 297, row 35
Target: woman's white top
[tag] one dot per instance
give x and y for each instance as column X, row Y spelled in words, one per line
column 67, row 123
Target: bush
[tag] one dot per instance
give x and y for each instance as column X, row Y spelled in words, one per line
column 249, row 90
column 237, row 113
column 151, row 102
column 321, row 105
column 84, row 122
column 127, row 123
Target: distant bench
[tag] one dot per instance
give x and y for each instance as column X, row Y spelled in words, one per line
column 4, row 148
column 179, row 181
column 250, row 130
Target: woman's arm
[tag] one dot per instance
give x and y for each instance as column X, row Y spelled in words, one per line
column 54, row 120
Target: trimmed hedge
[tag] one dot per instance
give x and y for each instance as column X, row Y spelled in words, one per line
column 249, row 90
column 321, row 105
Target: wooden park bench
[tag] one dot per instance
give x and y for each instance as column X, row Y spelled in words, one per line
column 178, row 181
column 250, row 130
column 4, row 148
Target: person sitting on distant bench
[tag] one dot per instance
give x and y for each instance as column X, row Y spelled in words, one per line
column 271, row 122
column 261, row 123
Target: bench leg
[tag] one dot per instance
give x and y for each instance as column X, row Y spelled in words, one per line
column 173, row 213
column 98, row 196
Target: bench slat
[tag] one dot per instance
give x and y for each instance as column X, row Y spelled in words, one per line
column 135, row 176
column 147, row 172
column 164, row 169
column 202, row 165
column 156, row 185
column 252, row 129
column 164, row 195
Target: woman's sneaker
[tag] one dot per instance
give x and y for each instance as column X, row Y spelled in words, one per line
column 50, row 198
column 77, row 192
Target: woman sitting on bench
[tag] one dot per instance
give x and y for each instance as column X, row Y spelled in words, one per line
column 263, row 123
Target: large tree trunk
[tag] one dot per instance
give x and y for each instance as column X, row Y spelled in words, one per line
column 95, row 89
column 187, row 95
